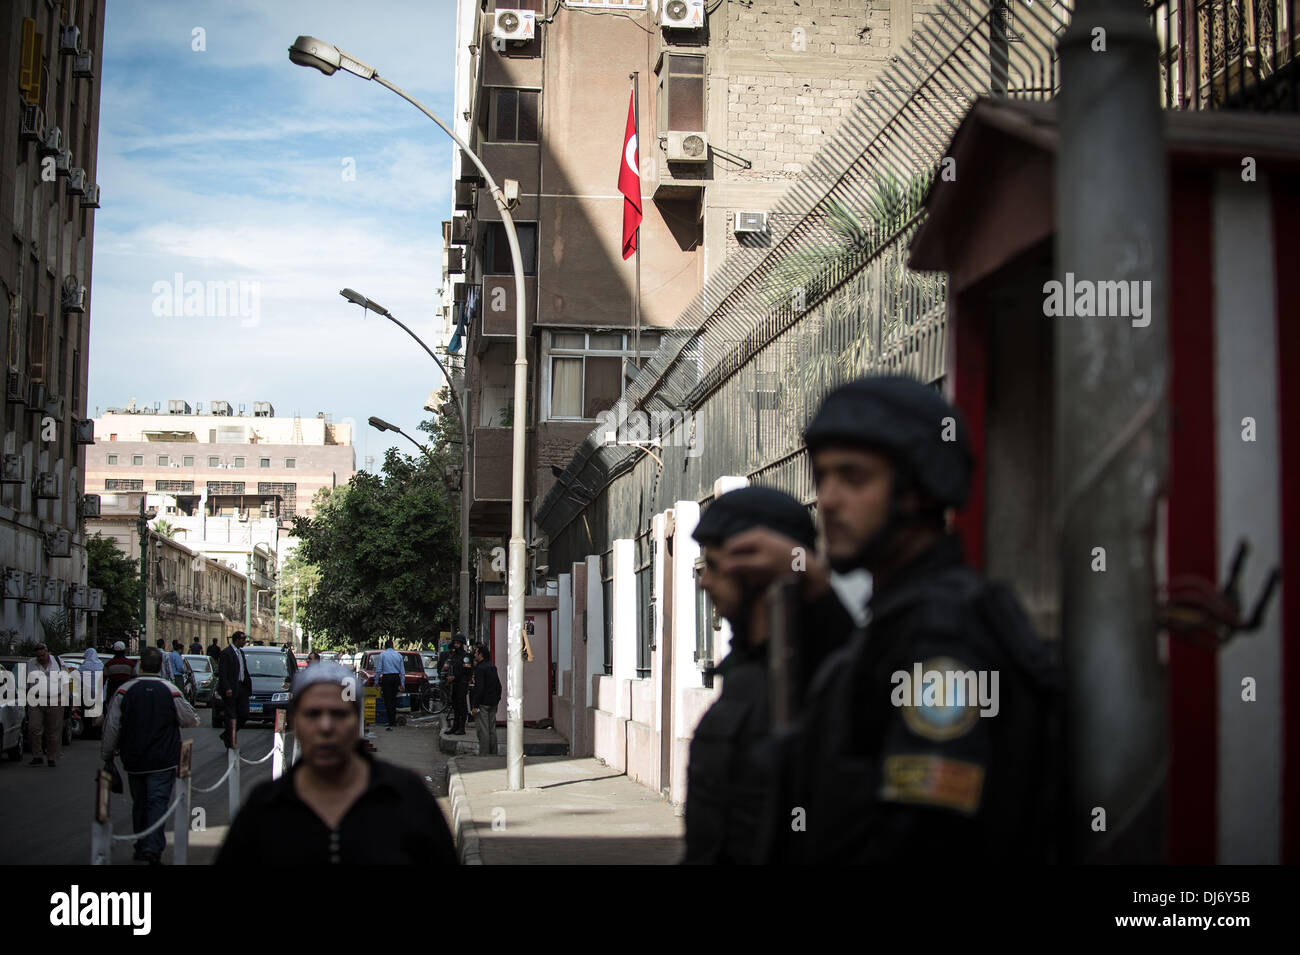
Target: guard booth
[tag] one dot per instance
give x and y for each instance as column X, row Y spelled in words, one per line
column 538, row 609
column 1232, row 785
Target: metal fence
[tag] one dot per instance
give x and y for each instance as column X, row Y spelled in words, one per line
column 825, row 297
column 1238, row 54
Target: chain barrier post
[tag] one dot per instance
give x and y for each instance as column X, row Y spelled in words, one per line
column 101, row 831
column 277, row 745
column 232, row 761
column 181, row 822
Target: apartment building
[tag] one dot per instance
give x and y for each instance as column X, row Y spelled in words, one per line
column 50, row 70
column 224, row 463
column 733, row 99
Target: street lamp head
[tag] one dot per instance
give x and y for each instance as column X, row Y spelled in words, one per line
column 356, row 298
column 319, row 55
column 379, row 424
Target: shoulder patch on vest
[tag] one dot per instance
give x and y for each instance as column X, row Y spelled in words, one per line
column 933, row 781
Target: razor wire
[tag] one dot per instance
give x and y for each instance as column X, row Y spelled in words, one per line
column 826, row 297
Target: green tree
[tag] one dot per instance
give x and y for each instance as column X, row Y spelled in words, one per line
column 164, row 529
column 386, row 549
column 118, row 576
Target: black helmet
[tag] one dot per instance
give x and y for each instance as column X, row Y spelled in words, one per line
column 906, row 420
column 748, row 507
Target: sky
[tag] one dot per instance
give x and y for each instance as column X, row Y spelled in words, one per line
column 222, row 162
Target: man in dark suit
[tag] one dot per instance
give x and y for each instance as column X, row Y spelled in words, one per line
column 234, row 685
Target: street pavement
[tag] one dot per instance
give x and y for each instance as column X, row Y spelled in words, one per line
column 574, row 811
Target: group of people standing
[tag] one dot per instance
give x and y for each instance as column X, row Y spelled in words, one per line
column 475, row 688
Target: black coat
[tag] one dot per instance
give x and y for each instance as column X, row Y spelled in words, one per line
column 487, row 686
column 868, row 776
column 726, row 785
column 228, row 675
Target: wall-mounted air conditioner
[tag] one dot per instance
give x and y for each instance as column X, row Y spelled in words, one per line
column 11, row 469
column 83, row 65
column 95, row 600
column 58, row 542
column 518, row 26
column 32, row 128
column 63, row 162
column 69, row 40
column 751, row 222
column 83, row 430
column 682, row 15
column 686, row 146
column 90, row 505
column 15, row 385
column 36, row 396
column 47, row 486
column 13, row 583
column 74, row 296
column 76, row 181
column 52, row 141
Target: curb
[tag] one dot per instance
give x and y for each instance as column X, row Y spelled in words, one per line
column 462, row 818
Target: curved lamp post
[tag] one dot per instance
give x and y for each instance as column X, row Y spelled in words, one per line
column 319, row 55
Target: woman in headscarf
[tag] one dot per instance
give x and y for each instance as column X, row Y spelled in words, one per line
column 92, row 687
column 91, row 661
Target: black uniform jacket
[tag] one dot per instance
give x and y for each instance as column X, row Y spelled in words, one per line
column 725, row 788
column 867, row 775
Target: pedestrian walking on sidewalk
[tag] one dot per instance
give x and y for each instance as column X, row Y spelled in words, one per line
column 390, row 674
column 45, row 723
column 485, row 697
column 143, row 724
column 234, row 687
column 338, row 805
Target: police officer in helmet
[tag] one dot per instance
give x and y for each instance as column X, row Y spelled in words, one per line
column 930, row 731
column 725, row 787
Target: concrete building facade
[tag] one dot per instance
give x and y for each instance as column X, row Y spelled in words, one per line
column 50, row 69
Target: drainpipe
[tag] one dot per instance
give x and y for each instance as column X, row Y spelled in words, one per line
column 1111, row 434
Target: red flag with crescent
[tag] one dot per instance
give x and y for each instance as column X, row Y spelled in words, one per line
column 629, row 181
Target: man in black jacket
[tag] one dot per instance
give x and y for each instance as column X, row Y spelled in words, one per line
column 929, row 736
column 461, row 665
column 485, row 697
column 234, row 686
column 726, row 786
column 143, row 724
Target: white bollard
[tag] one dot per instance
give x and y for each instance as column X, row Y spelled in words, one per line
column 277, row 744
column 181, row 823
column 232, row 760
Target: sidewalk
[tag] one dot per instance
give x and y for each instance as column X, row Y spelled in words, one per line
column 575, row 811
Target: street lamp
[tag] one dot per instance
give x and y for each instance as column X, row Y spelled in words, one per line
column 372, row 306
column 379, row 424
column 317, row 54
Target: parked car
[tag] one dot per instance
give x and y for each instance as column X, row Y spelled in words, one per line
column 205, row 677
column 12, row 727
column 272, row 669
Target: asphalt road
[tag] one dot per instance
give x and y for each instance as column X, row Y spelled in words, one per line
column 45, row 814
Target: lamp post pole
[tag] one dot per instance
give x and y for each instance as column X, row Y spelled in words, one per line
column 142, row 526
column 309, row 51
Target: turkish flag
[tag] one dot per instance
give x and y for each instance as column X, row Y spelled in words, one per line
column 629, row 182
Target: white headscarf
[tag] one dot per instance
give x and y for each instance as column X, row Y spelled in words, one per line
column 91, row 661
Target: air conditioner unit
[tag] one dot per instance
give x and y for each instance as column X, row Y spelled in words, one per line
column 58, row 542
column 15, row 385
column 243, row 516
column 32, row 585
column 36, row 396
column 52, row 592
column 69, row 40
column 77, row 596
column 53, row 406
column 13, row 583
column 63, row 162
column 750, row 222
column 74, row 296
column 90, row 505
column 32, row 128
column 11, row 470
column 516, row 25
column 83, row 430
column 455, row 260
column 52, row 141
column 47, row 486
column 178, row 406
column 91, row 199
column 83, row 65
column 682, row 15
column 464, row 194
column 687, row 147
column 460, row 230
column 95, row 600
column 76, row 181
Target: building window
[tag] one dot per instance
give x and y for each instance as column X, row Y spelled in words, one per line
column 112, row 459
column 137, row 460
column 514, row 116
column 214, row 462
column 587, row 370
column 263, row 462
column 123, row 484
column 239, row 462
column 681, row 92
column 496, row 248
column 175, row 487
column 188, row 461
column 290, row 463
column 162, row 460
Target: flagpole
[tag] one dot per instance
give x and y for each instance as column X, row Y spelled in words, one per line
column 636, row 298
